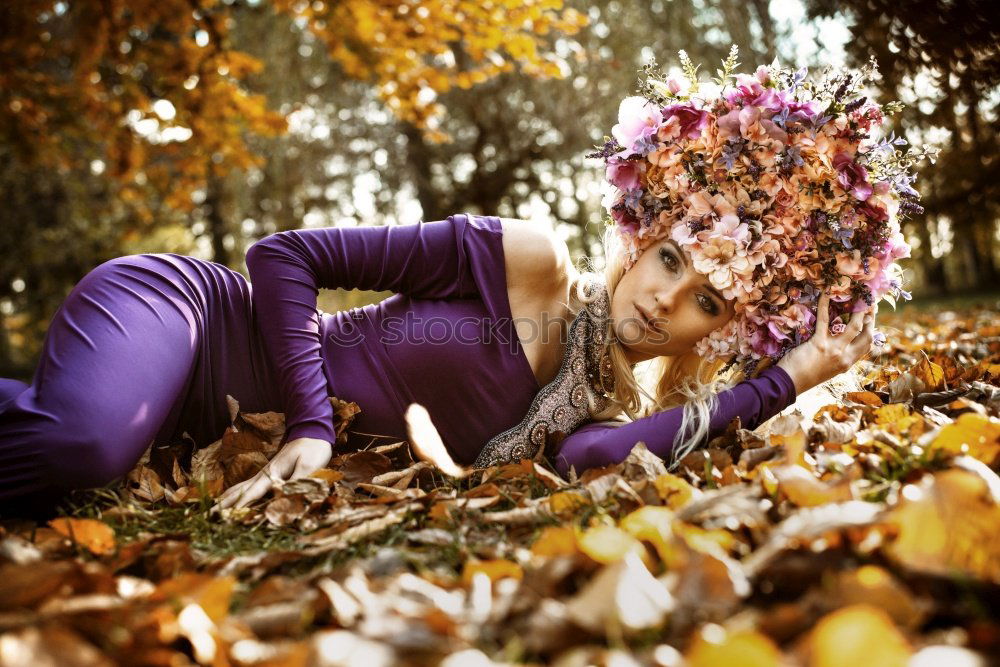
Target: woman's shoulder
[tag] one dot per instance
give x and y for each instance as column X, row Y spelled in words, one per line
column 535, row 256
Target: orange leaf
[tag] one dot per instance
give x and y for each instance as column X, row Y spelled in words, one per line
column 95, row 535
column 864, row 397
column 494, row 569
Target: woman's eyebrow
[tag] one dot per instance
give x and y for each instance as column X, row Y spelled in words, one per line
column 684, row 261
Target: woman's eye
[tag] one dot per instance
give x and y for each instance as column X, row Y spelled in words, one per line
column 669, row 259
column 708, row 305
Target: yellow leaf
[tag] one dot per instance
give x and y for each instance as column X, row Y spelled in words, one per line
column 947, row 524
column 892, row 413
column 555, row 541
column 803, row 489
column 748, row 648
column 608, row 544
column 673, row 490
column 653, row 524
column 857, row 635
column 567, row 502
column 713, row 542
column 973, row 434
column 875, row 585
column 930, row 374
column 96, row 536
column 494, row 569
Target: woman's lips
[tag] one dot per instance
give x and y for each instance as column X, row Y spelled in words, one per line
column 647, row 320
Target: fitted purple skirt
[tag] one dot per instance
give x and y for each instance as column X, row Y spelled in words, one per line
column 145, row 348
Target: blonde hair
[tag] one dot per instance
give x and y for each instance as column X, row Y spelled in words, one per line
column 686, row 380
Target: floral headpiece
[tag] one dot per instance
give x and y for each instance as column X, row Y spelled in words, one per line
column 777, row 187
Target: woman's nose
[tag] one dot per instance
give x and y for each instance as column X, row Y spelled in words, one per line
column 666, row 299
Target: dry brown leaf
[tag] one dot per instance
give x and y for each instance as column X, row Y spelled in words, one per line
column 864, row 398
column 286, row 510
column 144, row 483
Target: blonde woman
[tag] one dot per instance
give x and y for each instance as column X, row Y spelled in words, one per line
column 482, row 335
column 146, row 347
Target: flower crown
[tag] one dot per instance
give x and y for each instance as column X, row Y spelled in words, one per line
column 776, row 187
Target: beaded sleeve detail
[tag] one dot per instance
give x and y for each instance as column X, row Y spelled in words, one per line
column 565, row 403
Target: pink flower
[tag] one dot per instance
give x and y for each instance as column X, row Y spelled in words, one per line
column 692, row 121
column 673, row 84
column 748, row 123
column 624, row 174
column 852, row 176
column 637, row 118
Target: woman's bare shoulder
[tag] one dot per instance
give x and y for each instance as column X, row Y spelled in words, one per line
column 534, row 255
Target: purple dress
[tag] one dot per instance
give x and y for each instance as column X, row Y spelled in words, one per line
column 146, row 347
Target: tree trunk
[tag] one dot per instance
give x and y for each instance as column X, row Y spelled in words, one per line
column 935, row 280
column 216, row 220
column 982, row 234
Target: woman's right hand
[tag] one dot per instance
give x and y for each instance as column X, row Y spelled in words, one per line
column 825, row 355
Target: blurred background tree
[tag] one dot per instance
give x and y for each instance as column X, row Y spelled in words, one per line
column 198, row 127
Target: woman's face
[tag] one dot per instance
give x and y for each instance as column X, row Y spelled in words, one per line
column 681, row 304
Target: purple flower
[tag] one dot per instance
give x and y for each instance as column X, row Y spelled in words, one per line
column 844, row 235
column 879, row 339
column 852, row 176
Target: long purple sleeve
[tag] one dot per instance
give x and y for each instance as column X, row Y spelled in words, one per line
column 426, row 260
column 601, row 443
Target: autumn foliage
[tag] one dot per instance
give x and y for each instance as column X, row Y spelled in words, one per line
column 77, row 77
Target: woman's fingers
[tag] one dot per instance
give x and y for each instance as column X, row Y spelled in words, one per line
column 823, row 313
column 255, row 490
column 247, row 491
column 302, row 468
column 231, row 494
column 866, row 335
